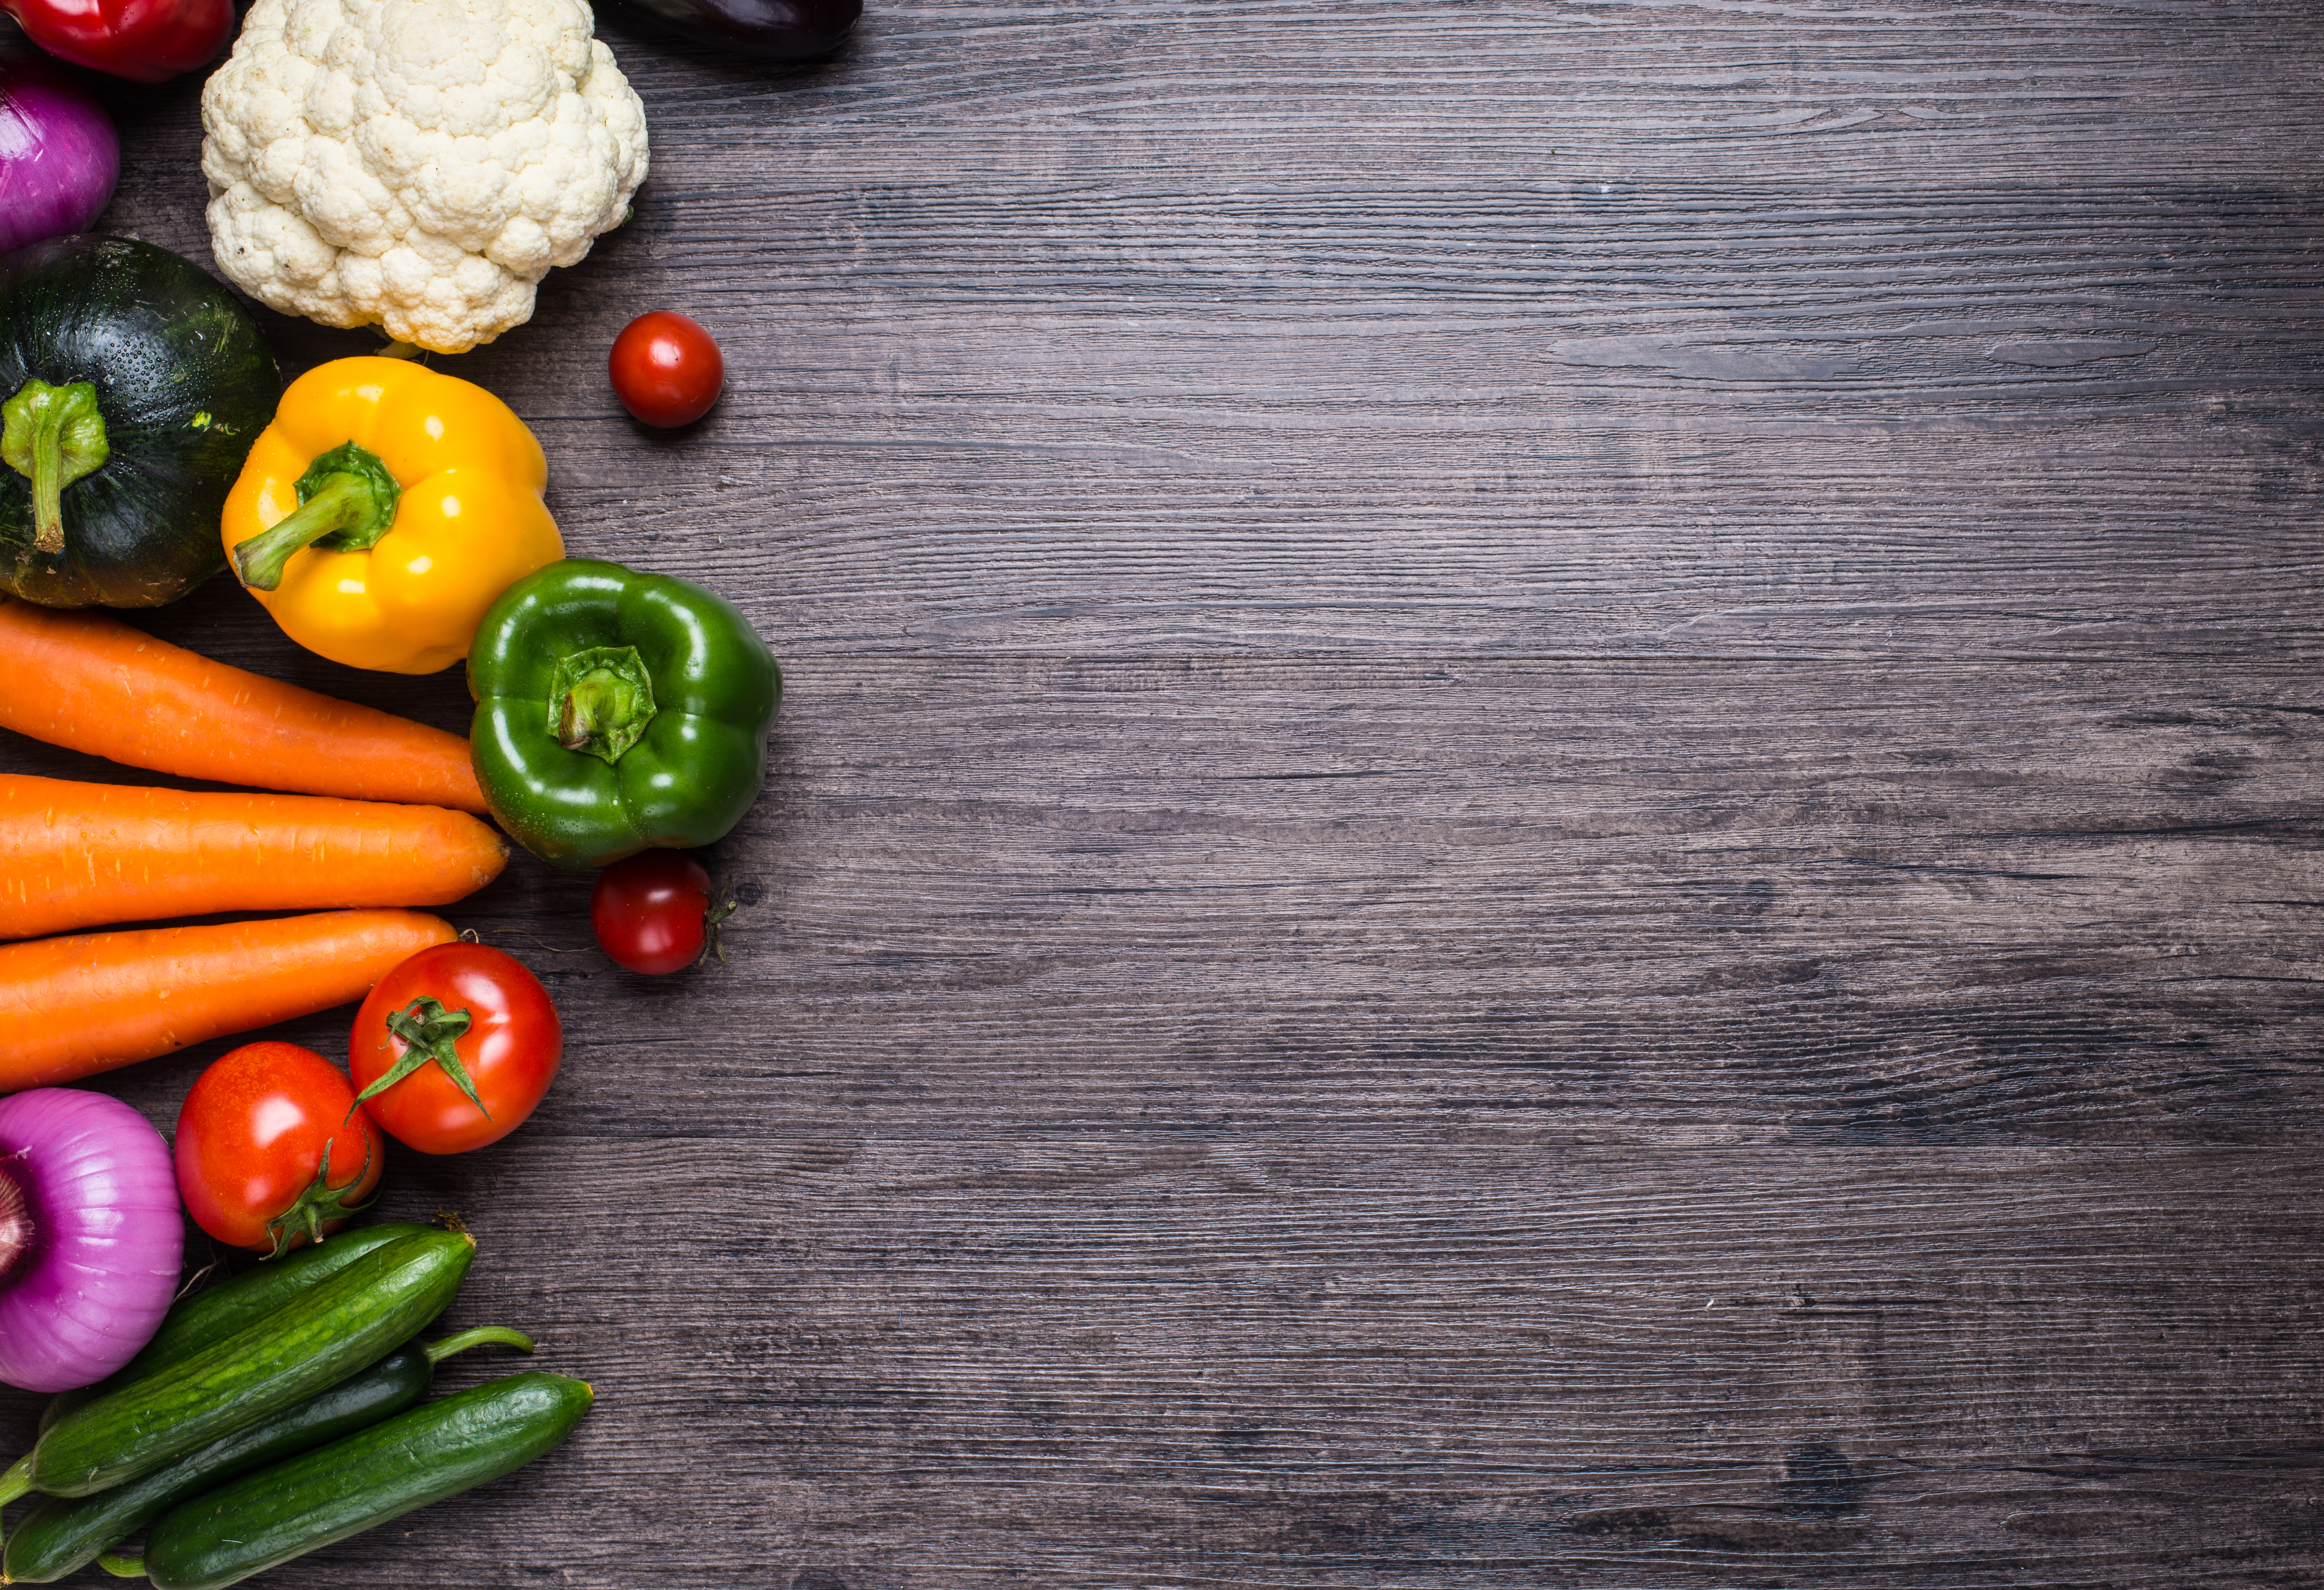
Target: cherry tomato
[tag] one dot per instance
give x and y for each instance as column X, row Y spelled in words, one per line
column 253, row 1137
column 652, row 912
column 667, row 370
column 456, row 1021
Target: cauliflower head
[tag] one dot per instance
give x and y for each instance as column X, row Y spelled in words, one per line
column 420, row 163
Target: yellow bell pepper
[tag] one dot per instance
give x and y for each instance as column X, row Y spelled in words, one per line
column 384, row 509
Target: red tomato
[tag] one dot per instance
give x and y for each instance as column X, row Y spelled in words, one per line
column 251, row 1138
column 667, row 370
column 481, row 1010
column 651, row 911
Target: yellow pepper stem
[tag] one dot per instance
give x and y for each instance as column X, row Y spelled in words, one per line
column 346, row 503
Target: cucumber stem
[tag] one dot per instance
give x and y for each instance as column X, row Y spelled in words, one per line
column 439, row 1351
column 16, row 1480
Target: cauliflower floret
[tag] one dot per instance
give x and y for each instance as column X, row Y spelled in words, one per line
column 420, row 163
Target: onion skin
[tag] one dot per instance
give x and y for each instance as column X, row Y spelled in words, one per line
column 59, row 154
column 108, row 1237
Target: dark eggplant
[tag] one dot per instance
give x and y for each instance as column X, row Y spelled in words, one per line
column 764, row 30
column 131, row 384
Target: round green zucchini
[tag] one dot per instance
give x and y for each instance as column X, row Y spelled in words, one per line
column 360, row 1480
column 336, row 1327
column 131, row 384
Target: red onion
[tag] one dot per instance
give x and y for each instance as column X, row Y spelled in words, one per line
column 91, row 1236
column 59, row 156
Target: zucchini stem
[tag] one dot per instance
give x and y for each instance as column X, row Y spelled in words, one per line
column 52, row 436
column 439, row 1351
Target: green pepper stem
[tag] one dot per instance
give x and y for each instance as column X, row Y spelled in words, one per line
column 52, row 436
column 501, row 1333
column 347, row 497
column 600, row 700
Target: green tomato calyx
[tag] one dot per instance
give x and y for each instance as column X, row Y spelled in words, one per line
column 320, row 1202
column 429, row 1032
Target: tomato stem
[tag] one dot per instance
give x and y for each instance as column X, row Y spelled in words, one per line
column 712, row 940
column 430, row 1033
column 320, row 1202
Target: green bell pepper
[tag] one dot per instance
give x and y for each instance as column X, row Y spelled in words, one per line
column 618, row 711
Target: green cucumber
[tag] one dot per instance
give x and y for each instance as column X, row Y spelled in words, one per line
column 61, row 1535
column 339, row 1326
column 217, row 1312
column 359, row 1482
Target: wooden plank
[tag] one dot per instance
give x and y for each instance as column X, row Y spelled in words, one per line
column 1072, row 396
column 1924, row 906
column 1803, row 93
column 1110, row 1356
column 1547, row 813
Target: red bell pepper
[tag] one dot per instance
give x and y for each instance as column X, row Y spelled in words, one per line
column 145, row 40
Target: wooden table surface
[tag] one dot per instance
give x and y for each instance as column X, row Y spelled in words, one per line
column 1548, row 814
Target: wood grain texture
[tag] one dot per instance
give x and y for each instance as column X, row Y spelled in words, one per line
column 1548, row 812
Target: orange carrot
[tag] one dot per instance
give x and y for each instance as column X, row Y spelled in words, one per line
column 72, row 1007
column 78, row 856
column 91, row 683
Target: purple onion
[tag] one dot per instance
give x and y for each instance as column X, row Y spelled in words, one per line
column 91, row 1236
column 58, row 156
